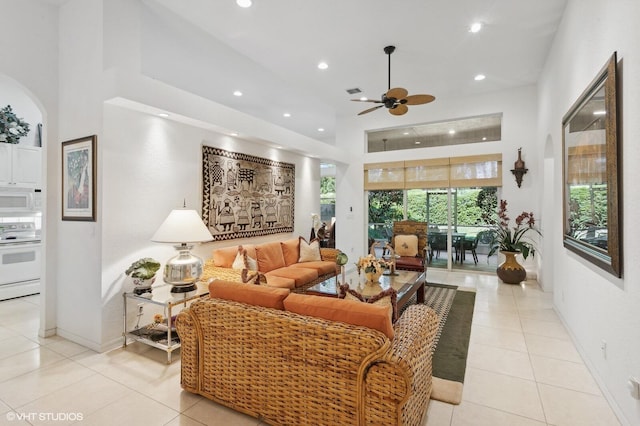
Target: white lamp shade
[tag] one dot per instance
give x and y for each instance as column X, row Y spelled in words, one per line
column 182, row 226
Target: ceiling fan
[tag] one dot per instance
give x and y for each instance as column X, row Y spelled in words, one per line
column 396, row 99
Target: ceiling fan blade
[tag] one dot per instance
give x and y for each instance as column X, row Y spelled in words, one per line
column 418, row 99
column 366, row 100
column 397, row 93
column 399, row 109
column 370, row 109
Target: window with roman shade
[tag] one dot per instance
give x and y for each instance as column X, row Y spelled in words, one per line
column 454, row 172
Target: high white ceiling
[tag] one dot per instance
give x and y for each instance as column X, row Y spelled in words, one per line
column 284, row 40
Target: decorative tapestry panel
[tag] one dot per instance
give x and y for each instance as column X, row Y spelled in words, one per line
column 246, row 196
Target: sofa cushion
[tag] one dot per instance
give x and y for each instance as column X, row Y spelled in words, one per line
column 280, row 282
column 269, row 256
column 291, row 251
column 225, row 256
column 322, row 266
column 410, row 263
column 347, row 311
column 309, row 251
column 387, row 298
column 259, row 295
column 406, row 245
column 301, row 276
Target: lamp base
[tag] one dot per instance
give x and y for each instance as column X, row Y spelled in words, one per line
column 183, row 288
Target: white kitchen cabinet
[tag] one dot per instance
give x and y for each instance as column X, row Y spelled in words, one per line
column 20, row 166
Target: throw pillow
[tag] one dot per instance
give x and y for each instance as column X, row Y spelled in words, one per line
column 253, row 277
column 386, row 298
column 244, row 261
column 406, row 245
column 309, row 252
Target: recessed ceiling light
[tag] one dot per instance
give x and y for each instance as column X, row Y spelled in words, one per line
column 484, row 138
column 475, row 27
column 244, row 3
column 452, row 132
column 286, row 114
column 163, row 114
column 405, row 133
column 364, row 98
column 234, row 134
column 320, row 129
column 417, row 142
column 479, row 77
column 600, row 112
column 323, row 65
column 237, row 93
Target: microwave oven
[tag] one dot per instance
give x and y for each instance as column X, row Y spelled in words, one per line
column 20, row 201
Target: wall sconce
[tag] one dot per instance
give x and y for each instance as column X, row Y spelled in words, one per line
column 519, row 169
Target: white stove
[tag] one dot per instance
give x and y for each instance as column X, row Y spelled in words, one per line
column 20, row 251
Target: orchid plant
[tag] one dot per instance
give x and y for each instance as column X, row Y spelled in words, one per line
column 514, row 239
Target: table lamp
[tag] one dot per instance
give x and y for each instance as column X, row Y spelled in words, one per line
column 182, row 227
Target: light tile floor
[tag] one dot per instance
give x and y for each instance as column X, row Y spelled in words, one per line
column 522, row 369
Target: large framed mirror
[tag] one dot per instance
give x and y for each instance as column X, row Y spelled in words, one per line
column 590, row 173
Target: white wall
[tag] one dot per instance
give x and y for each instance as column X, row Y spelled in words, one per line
column 518, row 130
column 595, row 305
column 150, row 165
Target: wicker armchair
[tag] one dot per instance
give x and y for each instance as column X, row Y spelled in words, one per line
column 419, row 229
column 290, row 369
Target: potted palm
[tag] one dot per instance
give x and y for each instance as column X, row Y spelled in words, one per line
column 143, row 273
column 511, row 241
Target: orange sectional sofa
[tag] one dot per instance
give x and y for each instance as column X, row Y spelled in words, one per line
column 297, row 359
column 279, row 262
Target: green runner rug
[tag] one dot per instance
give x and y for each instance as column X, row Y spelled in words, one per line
column 454, row 306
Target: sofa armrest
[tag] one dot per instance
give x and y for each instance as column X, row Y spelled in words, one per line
column 329, row 254
column 398, row 385
column 188, row 329
column 209, row 271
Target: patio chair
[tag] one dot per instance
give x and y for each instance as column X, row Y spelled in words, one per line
column 410, row 244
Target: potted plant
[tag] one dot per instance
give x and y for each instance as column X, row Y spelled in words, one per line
column 513, row 240
column 12, row 128
column 143, row 272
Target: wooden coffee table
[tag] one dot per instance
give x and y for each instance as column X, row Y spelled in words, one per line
column 406, row 284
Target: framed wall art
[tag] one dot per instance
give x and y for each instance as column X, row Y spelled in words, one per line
column 246, row 196
column 79, row 179
column 592, row 226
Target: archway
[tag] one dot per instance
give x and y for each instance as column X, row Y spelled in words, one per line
column 28, row 107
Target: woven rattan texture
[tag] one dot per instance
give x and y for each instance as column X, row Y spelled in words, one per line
column 289, row 369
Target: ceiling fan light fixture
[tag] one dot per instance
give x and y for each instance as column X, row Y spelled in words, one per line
column 395, row 99
column 475, row 27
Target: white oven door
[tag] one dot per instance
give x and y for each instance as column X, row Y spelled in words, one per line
column 19, row 263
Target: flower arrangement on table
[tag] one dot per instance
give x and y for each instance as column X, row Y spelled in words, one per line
column 12, row 128
column 514, row 239
column 372, row 267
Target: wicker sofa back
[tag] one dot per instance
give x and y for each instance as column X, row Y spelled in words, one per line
column 290, row 369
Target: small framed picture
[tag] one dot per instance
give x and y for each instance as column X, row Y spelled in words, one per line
column 79, row 179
